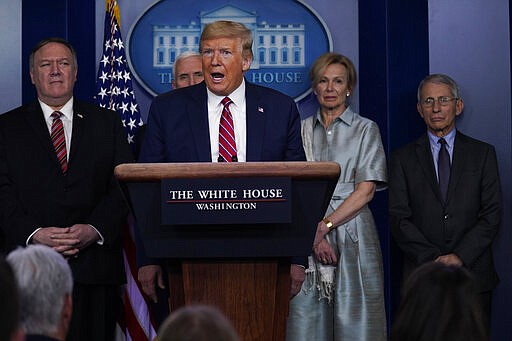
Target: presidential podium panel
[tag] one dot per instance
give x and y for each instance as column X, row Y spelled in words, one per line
column 228, row 232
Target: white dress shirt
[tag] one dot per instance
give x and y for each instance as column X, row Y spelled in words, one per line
column 238, row 111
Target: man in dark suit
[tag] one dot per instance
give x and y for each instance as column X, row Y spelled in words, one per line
column 61, row 191
column 456, row 225
column 183, row 125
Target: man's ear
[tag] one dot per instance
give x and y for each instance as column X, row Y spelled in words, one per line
column 459, row 107
column 420, row 110
column 67, row 309
column 32, row 76
column 18, row 335
column 246, row 62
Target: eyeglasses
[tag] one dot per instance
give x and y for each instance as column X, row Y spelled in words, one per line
column 442, row 100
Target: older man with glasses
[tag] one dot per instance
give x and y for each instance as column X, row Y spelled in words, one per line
column 444, row 192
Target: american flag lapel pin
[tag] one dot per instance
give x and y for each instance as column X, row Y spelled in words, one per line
column 260, row 109
column 79, row 115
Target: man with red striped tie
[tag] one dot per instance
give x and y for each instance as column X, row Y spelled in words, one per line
column 57, row 187
column 225, row 118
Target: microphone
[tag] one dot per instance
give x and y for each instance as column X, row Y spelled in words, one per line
column 234, row 158
column 220, row 159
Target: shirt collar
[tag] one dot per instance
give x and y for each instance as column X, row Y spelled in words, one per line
column 347, row 116
column 66, row 110
column 237, row 97
column 449, row 138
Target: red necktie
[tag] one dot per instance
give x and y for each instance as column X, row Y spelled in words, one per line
column 59, row 141
column 227, row 144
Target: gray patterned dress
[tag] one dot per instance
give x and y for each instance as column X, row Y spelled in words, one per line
column 345, row 301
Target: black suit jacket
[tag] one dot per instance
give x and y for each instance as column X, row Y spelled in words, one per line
column 34, row 192
column 424, row 227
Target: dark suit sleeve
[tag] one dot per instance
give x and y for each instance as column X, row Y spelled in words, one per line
column 152, row 146
column 16, row 224
column 111, row 210
column 479, row 237
column 407, row 235
column 295, row 150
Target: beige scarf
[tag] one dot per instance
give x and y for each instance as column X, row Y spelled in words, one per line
column 324, row 274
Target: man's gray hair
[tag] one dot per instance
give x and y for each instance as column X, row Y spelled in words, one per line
column 439, row 78
column 44, row 279
column 183, row 55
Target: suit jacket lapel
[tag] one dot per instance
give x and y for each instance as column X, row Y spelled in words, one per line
column 197, row 113
column 35, row 119
column 256, row 112
column 427, row 164
column 77, row 136
column 458, row 160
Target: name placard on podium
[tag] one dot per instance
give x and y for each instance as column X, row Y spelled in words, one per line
column 259, row 200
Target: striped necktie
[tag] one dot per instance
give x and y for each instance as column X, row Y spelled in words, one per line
column 227, row 144
column 59, row 141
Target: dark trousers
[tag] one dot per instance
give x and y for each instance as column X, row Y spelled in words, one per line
column 485, row 299
column 95, row 312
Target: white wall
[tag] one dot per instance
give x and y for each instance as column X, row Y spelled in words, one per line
column 10, row 54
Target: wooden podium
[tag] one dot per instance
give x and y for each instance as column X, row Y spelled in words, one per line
column 242, row 269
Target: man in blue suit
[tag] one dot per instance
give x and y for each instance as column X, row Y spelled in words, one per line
column 183, row 125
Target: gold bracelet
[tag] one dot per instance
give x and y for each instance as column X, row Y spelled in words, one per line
column 328, row 223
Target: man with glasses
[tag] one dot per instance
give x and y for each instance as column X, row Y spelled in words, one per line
column 444, row 192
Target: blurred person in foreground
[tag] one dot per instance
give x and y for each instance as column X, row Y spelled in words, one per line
column 10, row 327
column 439, row 302
column 45, row 285
column 197, row 323
column 444, row 192
column 342, row 297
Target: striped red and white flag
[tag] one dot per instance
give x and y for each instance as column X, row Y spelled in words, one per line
column 114, row 90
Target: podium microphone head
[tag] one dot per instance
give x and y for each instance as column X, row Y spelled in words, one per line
column 234, row 158
column 220, row 159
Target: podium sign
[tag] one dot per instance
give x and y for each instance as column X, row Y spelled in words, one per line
column 226, row 201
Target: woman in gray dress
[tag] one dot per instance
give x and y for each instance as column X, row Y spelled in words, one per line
column 342, row 297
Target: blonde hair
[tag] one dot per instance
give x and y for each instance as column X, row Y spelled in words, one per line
column 228, row 29
column 319, row 65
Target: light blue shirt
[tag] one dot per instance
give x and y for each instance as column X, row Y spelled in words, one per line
column 436, row 146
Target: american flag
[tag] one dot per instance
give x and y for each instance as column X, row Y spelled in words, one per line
column 114, row 90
